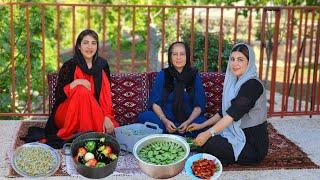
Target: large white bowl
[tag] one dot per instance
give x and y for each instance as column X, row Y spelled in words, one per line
column 161, row 171
column 196, row 157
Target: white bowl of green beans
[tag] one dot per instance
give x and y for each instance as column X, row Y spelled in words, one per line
column 161, row 155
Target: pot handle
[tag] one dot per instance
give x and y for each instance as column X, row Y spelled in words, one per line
column 66, row 149
column 124, row 151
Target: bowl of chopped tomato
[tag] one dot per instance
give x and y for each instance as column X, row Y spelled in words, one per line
column 203, row 166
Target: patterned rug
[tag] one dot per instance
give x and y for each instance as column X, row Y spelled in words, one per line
column 282, row 154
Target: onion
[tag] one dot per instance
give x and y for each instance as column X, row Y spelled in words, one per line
column 88, row 156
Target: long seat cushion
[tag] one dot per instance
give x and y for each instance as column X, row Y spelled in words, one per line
column 130, row 93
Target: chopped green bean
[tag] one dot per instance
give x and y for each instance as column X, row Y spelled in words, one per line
column 162, row 153
column 35, row 161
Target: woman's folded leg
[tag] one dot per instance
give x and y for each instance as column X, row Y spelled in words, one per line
column 79, row 113
column 219, row 147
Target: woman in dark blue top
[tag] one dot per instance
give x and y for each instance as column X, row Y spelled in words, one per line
column 177, row 98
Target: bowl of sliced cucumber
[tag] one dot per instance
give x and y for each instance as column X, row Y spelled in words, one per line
column 161, row 155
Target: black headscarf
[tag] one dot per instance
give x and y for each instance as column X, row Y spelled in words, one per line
column 179, row 82
column 97, row 62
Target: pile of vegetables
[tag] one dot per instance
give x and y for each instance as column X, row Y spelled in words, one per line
column 204, row 168
column 191, row 143
column 95, row 154
column 162, row 153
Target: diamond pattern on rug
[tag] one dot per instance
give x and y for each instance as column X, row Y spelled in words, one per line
column 282, row 154
column 129, row 93
column 213, row 86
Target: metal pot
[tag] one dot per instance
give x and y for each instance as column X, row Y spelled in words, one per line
column 161, row 171
column 97, row 172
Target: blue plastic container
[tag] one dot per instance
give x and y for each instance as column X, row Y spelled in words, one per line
column 128, row 135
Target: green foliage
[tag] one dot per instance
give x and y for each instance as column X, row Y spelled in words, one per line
column 213, row 50
column 219, row 2
column 282, row 2
column 20, row 57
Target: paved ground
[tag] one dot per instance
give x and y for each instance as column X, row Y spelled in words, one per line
column 303, row 131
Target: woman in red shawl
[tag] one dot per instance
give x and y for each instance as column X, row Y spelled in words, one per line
column 83, row 95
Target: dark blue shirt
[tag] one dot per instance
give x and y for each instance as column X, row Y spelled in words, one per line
column 158, row 91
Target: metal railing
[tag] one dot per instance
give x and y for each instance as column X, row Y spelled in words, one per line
column 285, row 39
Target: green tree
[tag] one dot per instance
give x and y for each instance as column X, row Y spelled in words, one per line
column 20, row 56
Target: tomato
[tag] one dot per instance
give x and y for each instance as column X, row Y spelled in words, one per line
column 91, row 163
column 82, row 151
column 107, row 150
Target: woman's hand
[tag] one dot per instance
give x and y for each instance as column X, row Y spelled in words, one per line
column 194, row 127
column 169, row 125
column 183, row 127
column 108, row 126
column 202, row 138
column 82, row 82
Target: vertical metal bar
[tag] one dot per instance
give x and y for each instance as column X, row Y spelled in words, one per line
column 58, row 37
column 73, row 26
column 118, row 42
column 192, row 37
column 297, row 64
column 235, row 26
column 262, row 42
column 28, row 59
column 88, row 16
column 302, row 63
column 315, row 67
column 205, row 56
column 290, row 58
column 133, row 38
column 163, row 32
column 220, row 41
column 43, row 68
column 104, row 32
column 284, row 85
column 309, row 67
column 178, row 23
column 250, row 26
column 316, row 61
column 274, row 60
column 148, row 40
column 13, row 81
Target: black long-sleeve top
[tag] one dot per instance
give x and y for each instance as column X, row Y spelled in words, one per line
column 247, row 96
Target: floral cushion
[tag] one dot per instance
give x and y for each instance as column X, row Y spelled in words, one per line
column 130, row 93
column 213, row 87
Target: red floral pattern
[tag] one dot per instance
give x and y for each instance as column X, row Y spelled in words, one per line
column 282, row 153
column 213, row 86
column 130, row 93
